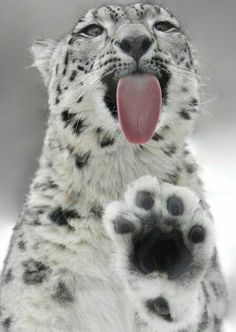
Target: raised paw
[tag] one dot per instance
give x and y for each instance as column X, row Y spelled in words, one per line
column 160, row 230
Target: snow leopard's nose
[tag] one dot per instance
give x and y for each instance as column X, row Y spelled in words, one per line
column 134, row 40
column 135, row 46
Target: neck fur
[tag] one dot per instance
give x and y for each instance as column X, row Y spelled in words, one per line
column 98, row 166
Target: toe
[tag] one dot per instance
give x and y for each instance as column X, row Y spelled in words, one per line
column 175, row 206
column 144, row 200
column 123, row 226
column 197, row 234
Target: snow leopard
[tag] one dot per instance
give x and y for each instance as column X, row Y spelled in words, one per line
column 116, row 234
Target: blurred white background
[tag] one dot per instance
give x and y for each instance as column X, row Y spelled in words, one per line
column 23, row 105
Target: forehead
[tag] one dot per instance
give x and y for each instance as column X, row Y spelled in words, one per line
column 134, row 12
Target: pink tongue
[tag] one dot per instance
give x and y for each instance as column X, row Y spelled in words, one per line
column 139, row 105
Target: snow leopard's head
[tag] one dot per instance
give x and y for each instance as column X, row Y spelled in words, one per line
column 135, row 45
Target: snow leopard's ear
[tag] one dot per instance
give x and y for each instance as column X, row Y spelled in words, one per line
column 42, row 51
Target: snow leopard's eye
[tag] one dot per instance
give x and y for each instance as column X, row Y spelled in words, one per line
column 92, row 30
column 165, row 26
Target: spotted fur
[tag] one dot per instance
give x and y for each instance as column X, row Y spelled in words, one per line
column 58, row 274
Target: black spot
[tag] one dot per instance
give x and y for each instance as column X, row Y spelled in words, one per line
column 187, row 65
column 80, row 68
column 73, row 75
column 170, row 149
column 103, row 138
column 114, row 15
column 66, row 60
column 197, row 234
column 64, row 71
column 97, row 210
column 186, row 152
column 21, row 245
column 7, row 323
column 205, row 292
column 175, row 206
column 194, row 102
column 204, row 320
column 217, row 324
column 190, row 168
column 67, row 117
column 35, row 272
column 157, row 137
column 71, row 41
column 60, row 216
column 144, row 200
column 78, row 126
column 184, row 89
column 61, row 246
column 36, row 222
column 107, row 141
column 70, row 148
column 160, row 307
column 62, row 293
column 214, row 259
column 81, row 160
column 49, row 184
column 59, row 89
column 80, row 99
column 57, row 68
column 184, row 115
column 81, row 20
column 182, row 59
column 158, row 10
column 216, row 289
column 8, row 276
column 57, row 101
column 172, row 178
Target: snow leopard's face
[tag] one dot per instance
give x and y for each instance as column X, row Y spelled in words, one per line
column 83, row 69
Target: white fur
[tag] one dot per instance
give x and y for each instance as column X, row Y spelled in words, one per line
column 80, row 254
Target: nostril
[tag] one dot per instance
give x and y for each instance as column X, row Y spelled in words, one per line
column 125, row 45
column 146, row 45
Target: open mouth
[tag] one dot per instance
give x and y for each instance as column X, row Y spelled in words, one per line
column 139, row 100
column 136, row 100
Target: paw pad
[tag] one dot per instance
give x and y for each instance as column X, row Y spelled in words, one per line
column 144, row 200
column 123, row 226
column 175, row 206
column 197, row 234
column 163, row 252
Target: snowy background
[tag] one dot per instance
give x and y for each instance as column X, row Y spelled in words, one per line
column 23, row 104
